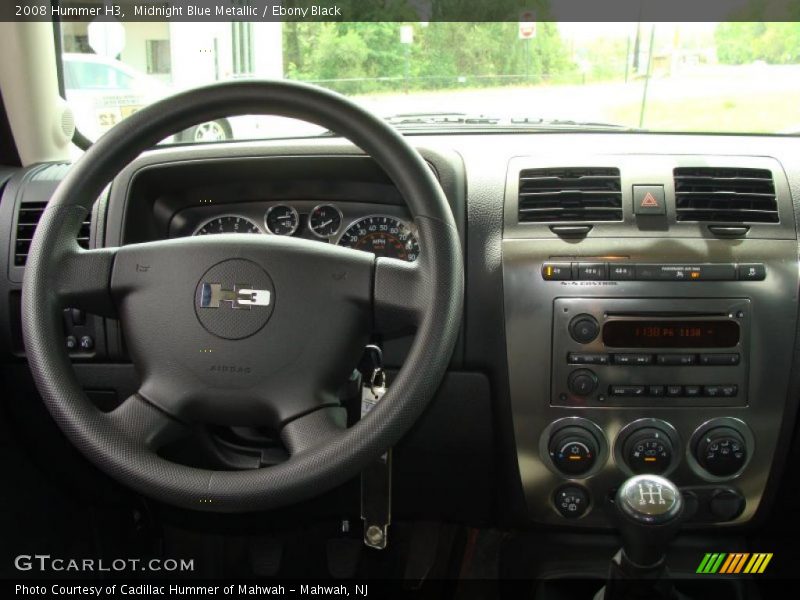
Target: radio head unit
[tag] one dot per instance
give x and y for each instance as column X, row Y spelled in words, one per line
column 646, row 352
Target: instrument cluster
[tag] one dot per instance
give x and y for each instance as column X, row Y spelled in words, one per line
column 384, row 230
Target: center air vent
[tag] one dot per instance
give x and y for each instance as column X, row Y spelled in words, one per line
column 574, row 194
column 28, row 219
column 725, row 195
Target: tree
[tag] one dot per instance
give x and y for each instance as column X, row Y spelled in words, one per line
column 742, row 43
column 443, row 55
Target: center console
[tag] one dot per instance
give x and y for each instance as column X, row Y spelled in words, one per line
column 651, row 311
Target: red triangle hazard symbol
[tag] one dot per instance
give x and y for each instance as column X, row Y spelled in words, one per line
column 649, row 201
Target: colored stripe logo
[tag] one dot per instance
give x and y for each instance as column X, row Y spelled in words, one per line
column 734, row 563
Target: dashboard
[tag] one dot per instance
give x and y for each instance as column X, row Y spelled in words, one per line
column 631, row 303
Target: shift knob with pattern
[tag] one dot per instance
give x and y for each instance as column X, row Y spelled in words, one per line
column 649, row 510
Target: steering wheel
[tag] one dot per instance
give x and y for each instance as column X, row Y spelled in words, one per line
column 238, row 329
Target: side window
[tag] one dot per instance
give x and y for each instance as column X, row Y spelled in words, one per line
column 96, row 76
column 69, row 76
column 122, row 80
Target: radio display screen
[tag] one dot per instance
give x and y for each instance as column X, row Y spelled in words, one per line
column 671, row 334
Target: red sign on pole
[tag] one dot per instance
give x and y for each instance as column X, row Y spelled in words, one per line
column 527, row 25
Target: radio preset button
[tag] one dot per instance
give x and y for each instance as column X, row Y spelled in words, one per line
column 720, row 360
column 557, row 271
column 579, row 358
column 720, row 391
column 674, row 390
column 633, row 359
column 627, row 390
column 681, row 360
column 592, row 271
column 584, row 328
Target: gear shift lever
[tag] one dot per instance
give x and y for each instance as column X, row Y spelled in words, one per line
column 649, row 514
column 649, row 511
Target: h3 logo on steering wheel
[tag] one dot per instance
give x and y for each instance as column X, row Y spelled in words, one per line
column 212, row 296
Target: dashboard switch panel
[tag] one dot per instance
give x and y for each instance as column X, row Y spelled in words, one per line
column 614, row 271
column 733, row 372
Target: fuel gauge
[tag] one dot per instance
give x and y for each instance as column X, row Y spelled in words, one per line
column 282, row 219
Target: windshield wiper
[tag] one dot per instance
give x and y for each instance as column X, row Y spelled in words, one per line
column 433, row 120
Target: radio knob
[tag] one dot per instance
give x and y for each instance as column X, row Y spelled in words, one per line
column 648, row 450
column 721, row 451
column 573, row 450
column 584, row 328
column 582, row 382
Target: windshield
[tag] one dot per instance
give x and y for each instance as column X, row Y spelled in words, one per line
column 673, row 77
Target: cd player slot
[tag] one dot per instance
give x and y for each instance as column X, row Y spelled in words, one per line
column 665, row 314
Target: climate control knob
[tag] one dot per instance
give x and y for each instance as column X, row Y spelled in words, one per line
column 582, row 382
column 573, row 450
column 721, row 451
column 648, row 450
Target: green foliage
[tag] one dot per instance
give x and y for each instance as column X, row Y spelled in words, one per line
column 742, row 43
column 606, row 57
column 365, row 57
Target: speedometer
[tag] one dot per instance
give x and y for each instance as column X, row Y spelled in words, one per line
column 382, row 235
column 227, row 224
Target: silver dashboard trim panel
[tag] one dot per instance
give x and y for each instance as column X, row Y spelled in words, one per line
column 528, row 315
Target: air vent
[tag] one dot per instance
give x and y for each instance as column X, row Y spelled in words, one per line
column 579, row 194
column 725, row 195
column 28, row 219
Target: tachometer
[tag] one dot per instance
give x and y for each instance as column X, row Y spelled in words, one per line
column 227, row 224
column 382, row 235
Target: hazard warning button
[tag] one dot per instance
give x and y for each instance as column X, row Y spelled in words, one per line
column 649, row 200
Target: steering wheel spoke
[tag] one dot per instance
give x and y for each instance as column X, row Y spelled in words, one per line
column 84, row 281
column 146, row 424
column 400, row 295
column 313, row 429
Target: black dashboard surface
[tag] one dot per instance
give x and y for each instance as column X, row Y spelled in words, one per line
column 170, row 191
